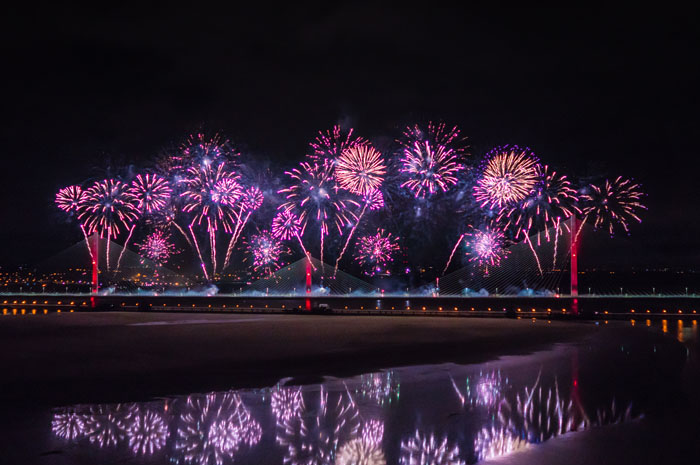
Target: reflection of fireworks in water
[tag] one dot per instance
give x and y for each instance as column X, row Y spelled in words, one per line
column 496, row 441
column 330, row 145
column 265, row 251
column 147, row 432
column 287, row 403
column 68, row 425
column 374, row 253
column 508, row 175
column 380, row 387
column 431, row 160
column 213, row 427
column 157, row 247
column 427, row 450
column 359, row 452
column 314, row 195
column 484, row 390
column 360, row 169
column 485, row 246
column 314, row 439
column 373, row 431
column 614, row 203
column 105, row 426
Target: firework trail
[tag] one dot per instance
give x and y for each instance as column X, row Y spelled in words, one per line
column 508, row 175
column 151, row 193
column 105, row 207
column 68, row 199
column 314, row 194
column 614, row 203
column 265, row 250
column 211, row 194
column 486, row 246
column 360, row 170
column 551, row 203
column 157, row 247
column 431, row 160
column 251, row 200
column 375, row 252
column 329, row 145
column 423, row 449
column 286, row 226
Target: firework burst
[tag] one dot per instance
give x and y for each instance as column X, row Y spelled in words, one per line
column 360, row 169
column 329, row 145
column 374, row 253
column 315, row 195
column 265, row 251
column 68, row 199
column 431, row 160
column 157, row 247
column 614, row 203
column 151, row 192
column 200, row 151
column 486, row 246
column 509, row 174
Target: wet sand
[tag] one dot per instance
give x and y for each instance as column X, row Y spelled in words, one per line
column 68, row 358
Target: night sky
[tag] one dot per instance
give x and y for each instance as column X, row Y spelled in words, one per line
column 594, row 92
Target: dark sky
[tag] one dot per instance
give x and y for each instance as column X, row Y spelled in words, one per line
column 593, row 92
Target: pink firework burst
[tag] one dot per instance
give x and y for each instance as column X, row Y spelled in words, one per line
column 201, row 151
column 106, row 207
column 265, row 251
column 613, row 203
column 286, row 225
column 252, row 198
column 432, row 160
column 330, row 144
column 486, row 246
column 375, row 252
column 68, row 198
column 509, row 174
column 360, row 169
column 151, row 192
column 211, row 194
column 157, row 247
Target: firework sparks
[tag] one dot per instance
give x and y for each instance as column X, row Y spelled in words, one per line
column 106, row 207
column 509, row 174
column 200, row 151
column 374, row 253
column 251, row 199
column 151, row 192
column 485, row 246
column 330, row 144
column 287, row 404
column 314, row 195
column 265, row 250
column 360, row 169
column 68, row 199
column 157, row 247
column 614, row 203
column 68, row 425
column 431, row 160
column 147, row 433
column 494, row 441
column 286, row 226
column 428, row 450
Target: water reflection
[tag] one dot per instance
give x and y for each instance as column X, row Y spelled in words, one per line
column 445, row 415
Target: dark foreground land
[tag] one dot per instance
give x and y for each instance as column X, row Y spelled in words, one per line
column 82, row 357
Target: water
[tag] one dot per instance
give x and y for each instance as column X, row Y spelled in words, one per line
column 438, row 414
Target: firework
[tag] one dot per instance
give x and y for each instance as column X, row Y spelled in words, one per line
column 314, row 437
column 106, row 207
column 151, row 192
column 68, row 425
column 287, row 404
column 105, row 427
column 428, row 450
column 251, row 199
column 613, row 203
column 147, row 433
column 314, row 195
column 215, row 426
column 485, row 246
column 509, row 174
column 286, row 226
column 330, row 144
column 375, row 252
column 360, row 169
column 495, row 441
column 265, row 251
column 68, row 199
column 211, row 194
column 200, row 151
column 431, row 160
column 157, row 247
